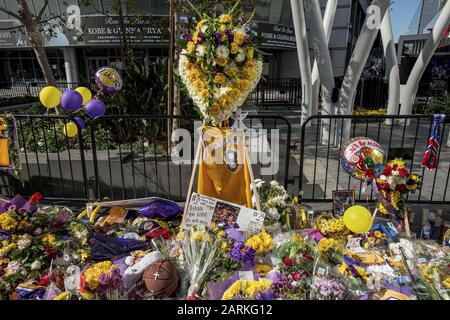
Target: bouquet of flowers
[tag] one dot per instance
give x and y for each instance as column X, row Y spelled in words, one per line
column 296, row 269
column 201, row 250
column 395, row 181
column 273, row 198
column 102, row 279
column 249, row 290
column 219, row 63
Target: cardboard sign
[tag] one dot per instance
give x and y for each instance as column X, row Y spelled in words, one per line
column 203, row 210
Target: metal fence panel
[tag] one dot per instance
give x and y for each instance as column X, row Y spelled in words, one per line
column 401, row 136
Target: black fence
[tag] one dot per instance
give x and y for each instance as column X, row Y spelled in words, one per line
column 402, row 137
column 125, row 157
column 32, row 89
column 274, row 92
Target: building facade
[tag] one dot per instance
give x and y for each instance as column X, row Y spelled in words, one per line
column 74, row 55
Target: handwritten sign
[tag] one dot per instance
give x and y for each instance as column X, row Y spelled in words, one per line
column 203, row 210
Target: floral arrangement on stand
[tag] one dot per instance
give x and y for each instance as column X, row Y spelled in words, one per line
column 219, row 63
column 394, row 182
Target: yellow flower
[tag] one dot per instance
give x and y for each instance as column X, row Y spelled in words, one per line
column 261, row 243
column 87, row 295
column 250, row 52
column 263, row 269
column 7, row 222
column 222, row 62
column 264, row 284
column 221, row 234
column 377, row 234
column 190, row 47
column 325, row 244
column 200, row 24
column 362, row 273
column 446, row 283
column 398, row 162
column 343, row 268
column 225, row 18
column 234, row 48
column 220, row 78
column 224, row 246
column 231, row 71
column 49, row 239
column 198, row 235
column 233, row 290
column 239, row 38
column 250, row 289
column 243, row 84
column 204, row 94
column 195, row 37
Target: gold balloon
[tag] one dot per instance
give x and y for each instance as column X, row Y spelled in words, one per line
column 70, row 130
column 50, row 97
column 358, row 219
column 85, row 93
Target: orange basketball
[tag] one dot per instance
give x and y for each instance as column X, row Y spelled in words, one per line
column 161, row 279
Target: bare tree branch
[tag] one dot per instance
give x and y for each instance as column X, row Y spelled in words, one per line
column 15, row 15
column 41, row 12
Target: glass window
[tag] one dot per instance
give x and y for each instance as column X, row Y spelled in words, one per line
column 12, row 6
column 94, row 7
column 262, row 10
column 160, row 7
column 142, row 6
column 109, row 6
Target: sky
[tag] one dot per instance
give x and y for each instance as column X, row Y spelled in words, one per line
column 402, row 14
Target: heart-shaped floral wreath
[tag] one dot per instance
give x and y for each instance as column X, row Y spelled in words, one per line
column 220, row 64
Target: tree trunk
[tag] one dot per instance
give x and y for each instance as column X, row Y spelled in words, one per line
column 434, row 39
column 176, row 86
column 36, row 40
column 303, row 57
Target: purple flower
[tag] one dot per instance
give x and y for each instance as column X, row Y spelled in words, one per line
column 103, row 279
column 230, row 35
column 201, row 38
column 66, row 237
column 186, row 36
column 218, row 38
column 247, row 39
column 116, row 281
column 241, row 19
column 218, row 69
column 242, row 253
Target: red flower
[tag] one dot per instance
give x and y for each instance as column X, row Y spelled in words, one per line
column 82, row 282
column 306, row 255
column 387, row 171
column 51, row 251
column 44, row 279
column 400, row 188
column 384, row 186
column 403, row 172
column 288, row 262
column 296, row 276
column 370, row 173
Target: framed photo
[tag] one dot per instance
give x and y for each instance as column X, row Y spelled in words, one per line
column 342, row 200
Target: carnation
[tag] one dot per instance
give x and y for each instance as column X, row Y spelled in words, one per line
column 222, row 52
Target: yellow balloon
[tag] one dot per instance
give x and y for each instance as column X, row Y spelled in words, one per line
column 50, row 97
column 358, row 219
column 85, row 93
column 70, row 130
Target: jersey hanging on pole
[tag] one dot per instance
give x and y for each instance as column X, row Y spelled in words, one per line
column 223, row 171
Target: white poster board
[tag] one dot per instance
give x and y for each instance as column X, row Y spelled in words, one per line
column 203, row 210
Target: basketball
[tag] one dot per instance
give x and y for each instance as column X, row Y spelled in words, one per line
column 161, row 278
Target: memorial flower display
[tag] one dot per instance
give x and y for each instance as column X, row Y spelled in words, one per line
column 219, row 63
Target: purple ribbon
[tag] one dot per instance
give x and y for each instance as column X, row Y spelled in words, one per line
column 382, row 200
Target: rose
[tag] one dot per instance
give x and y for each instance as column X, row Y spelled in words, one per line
column 387, row 171
column 288, row 262
column 296, row 275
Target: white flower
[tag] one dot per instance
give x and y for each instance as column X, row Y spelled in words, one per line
column 36, row 265
column 201, row 50
column 222, row 52
column 13, row 267
column 240, row 57
column 259, row 183
column 204, row 28
column 274, row 183
column 24, row 243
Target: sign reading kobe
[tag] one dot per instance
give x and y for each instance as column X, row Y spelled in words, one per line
column 275, row 35
column 107, row 30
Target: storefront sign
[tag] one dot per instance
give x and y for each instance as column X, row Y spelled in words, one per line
column 275, row 35
column 108, row 30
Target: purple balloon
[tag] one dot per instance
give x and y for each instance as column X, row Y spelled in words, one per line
column 71, row 101
column 95, row 108
column 80, row 122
